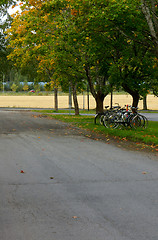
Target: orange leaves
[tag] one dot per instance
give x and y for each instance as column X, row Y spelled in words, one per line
column 30, row 36
column 35, row 2
column 44, row 63
column 45, row 18
column 32, row 2
column 74, row 12
column 21, row 29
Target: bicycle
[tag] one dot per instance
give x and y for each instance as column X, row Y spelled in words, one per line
column 125, row 118
column 100, row 115
column 138, row 119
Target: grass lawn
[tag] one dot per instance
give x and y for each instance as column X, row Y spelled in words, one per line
column 148, row 138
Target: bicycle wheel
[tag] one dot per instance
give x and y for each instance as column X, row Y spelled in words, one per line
column 97, row 117
column 144, row 122
column 111, row 121
column 101, row 119
column 136, row 122
column 105, row 118
column 130, row 118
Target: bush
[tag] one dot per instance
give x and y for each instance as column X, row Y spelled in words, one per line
column 14, row 87
column 25, row 87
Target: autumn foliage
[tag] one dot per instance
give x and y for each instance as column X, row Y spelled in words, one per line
column 85, row 41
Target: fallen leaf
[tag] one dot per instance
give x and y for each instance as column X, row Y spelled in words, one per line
column 74, row 217
column 51, row 177
column 125, row 139
column 22, row 171
column 144, row 172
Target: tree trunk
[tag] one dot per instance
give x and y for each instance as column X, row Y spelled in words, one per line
column 98, row 95
column 135, row 94
column 99, row 102
column 75, row 100
column 111, row 100
column 135, row 97
column 56, row 99
column 145, row 103
column 88, row 98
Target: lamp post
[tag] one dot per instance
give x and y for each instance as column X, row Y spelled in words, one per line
column 83, row 100
column 3, row 81
column 111, row 100
column 70, row 100
column 88, row 98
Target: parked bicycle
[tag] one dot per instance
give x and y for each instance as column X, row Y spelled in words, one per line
column 105, row 114
column 122, row 118
column 126, row 118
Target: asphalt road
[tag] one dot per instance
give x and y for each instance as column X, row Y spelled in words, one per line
column 57, row 184
column 151, row 116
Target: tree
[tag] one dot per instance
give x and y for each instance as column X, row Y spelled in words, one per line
column 131, row 61
column 101, row 41
column 132, row 68
column 82, row 47
column 127, row 17
column 31, row 41
column 150, row 11
column 5, row 21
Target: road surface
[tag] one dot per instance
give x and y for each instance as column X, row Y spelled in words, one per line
column 57, row 184
column 151, row 116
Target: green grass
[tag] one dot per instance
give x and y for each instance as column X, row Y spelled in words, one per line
column 91, row 111
column 147, row 136
column 68, row 111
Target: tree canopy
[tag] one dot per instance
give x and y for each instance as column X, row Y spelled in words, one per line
column 106, row 43
column 5, row 21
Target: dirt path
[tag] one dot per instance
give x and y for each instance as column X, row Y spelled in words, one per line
column 48, row 101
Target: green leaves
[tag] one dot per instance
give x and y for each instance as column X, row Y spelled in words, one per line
column 105, row 42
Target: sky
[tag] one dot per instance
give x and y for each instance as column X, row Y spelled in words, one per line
column 10, row 11
column 13, row 10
